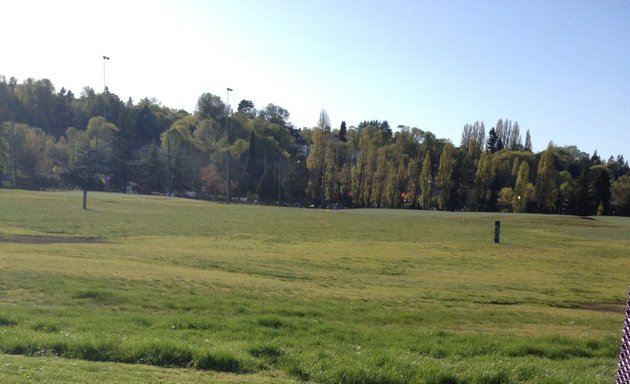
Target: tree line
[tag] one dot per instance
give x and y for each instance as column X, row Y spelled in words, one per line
column 53, row 139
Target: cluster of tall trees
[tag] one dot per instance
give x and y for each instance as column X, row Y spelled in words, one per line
column 52, row 139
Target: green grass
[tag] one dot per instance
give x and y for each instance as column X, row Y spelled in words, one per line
column 170, row 290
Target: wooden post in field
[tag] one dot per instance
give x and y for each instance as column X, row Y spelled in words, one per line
column 623, row 368
column 84, row 199
column 497, row 231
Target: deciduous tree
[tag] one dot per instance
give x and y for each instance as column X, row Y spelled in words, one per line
column 425, row 182
column 484, row 182
column 546, row 191
column 445, row 175
column 520, row 197
column 621, row 196
column 211, row 106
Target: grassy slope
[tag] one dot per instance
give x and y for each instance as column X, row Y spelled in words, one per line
column 294, row 294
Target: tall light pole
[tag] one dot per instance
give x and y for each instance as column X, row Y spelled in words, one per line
column 96, row 165
column 105, row 58
column 228, row 186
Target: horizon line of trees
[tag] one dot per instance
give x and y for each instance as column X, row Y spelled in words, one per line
column 52, row 139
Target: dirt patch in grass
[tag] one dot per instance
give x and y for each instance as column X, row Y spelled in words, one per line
column 27, row 239
column 604, row 307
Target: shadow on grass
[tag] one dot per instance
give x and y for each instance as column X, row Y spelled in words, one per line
column 161, row 354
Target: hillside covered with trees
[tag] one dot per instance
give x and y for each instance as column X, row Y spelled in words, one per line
column 54, row 139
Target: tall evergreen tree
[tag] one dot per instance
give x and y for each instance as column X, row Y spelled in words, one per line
column 491, row 145
column 603, row 192
column 595, row 159
column 343, row 132
column 581, row 200
column 622, row 167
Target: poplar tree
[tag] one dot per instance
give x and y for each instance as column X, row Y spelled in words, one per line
column 445, row 175
column 484, row 182
column 520, row 197
column 425, row 182
column 516, row 143
column 363, row 172
column 316, row 163
column 546, row 192
column 413, row 187
column 528, row 141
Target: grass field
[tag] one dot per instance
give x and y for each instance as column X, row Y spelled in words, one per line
column 143, row 289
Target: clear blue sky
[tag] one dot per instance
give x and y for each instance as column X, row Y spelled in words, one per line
column 559, row 68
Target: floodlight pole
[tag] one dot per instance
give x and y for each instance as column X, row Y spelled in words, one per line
column 228, row 184
column 96, row 167
column 105, row 58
